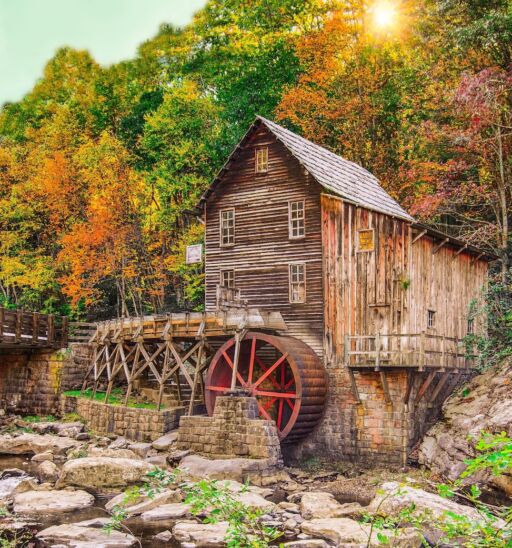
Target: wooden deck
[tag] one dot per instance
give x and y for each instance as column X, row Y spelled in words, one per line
column 419, row 350
column 29, row 330
column 187, row 325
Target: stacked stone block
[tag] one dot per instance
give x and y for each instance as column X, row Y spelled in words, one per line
column 133, row 423
column 234, row 430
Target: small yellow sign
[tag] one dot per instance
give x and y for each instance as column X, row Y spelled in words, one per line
column 366, row 240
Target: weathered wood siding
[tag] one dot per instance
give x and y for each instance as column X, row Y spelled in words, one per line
column 263, row 250
column 390, row 290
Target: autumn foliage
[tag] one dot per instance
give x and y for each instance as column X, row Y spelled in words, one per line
column 101, row 167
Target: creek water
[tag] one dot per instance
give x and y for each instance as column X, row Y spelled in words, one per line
column 144, row 531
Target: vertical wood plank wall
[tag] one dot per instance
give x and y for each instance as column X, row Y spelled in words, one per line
column 391, row 289
column 263, row 250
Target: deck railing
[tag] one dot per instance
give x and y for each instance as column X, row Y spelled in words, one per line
column 31, row 329
column 418, row 350
column 229, row 297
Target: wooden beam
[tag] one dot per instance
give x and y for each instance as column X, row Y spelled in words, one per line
column 420, row 235
column 438, row 247
column 475, row 259
column 353, row 385
column 465, row 246
column 439, row 386
column 238, row 341
column 385, row 386
column 408, row 388
column 424, row 387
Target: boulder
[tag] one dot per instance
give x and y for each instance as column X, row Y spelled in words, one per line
column 203, row 535
column 311, row 543
column 41, row 457
column 41, row 502
column 164, row 536
column 159, row 461
column 485, row 405
column 144, row 503
column 114, row 453
column 340, row 531
column 165, row 442
column 393, row 497
column 171, row 511
column 27, row 444
column 141, row 449
column 318, row 504
column 119, row 443
column 66, row 429
column 98, row 473
column 83, row 534
column 237, row 469
column 48, row 471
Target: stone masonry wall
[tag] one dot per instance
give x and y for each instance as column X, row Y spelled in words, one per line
column 373, row 431
column 31, row 382
column 133, row 423
column 234, row 430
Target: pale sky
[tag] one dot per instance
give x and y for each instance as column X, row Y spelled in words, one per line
column 32, row 30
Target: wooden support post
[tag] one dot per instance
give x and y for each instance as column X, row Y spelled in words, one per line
column 385, row 386
column 424, row 387
column 438, row 247
column 238, row 339
column 65, row 332
column 439, row 386
column 353, row 384
column 346, row 351
column 420, row 235
column 410, row 384
column 35, row 327
column 163, row 378
column 2, row 320
column 51, row 329
column 197, row 372
column 443, row 353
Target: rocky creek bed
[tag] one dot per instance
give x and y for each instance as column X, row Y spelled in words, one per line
column 60, row 485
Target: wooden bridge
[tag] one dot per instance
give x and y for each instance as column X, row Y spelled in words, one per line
column 29, row 330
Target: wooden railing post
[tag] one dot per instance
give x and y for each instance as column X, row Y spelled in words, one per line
column 443, row 353
column 422, row 352
column 35, row 327
column 377, row 352
column 18, row 327
column 65, row 331
column 51, row 329
column 2, row 320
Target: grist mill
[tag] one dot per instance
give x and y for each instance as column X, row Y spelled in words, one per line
column 341, row 315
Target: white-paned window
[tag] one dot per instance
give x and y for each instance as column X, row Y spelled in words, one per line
column 297, row 219
column 261, row 160
column 431, row 319
column 297, row 275
column 227, row 278
column 227, row 227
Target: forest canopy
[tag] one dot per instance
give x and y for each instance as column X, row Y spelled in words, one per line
column 101, row 167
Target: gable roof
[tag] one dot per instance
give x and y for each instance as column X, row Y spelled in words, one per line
column 342, row 177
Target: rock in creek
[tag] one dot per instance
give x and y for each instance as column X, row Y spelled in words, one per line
column 98, row 473
column 484, row 406
column 203, row 535
column 41, row 502
column 338, row 530
column 27, row 444
column 317, row 504
column 171, row 511
column 66, row 429
column 394, row 497
column 48, row 471
column 165, row 442
column 144, row 503
column 85, row 533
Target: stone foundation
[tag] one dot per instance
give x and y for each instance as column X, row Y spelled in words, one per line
column 233, row 431
column 133, row 423
column 373, row 431
column 31, row 381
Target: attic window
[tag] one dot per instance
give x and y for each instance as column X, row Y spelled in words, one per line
column 297, row 282
column 296, row 219
column 261, row 160
column 227, row 227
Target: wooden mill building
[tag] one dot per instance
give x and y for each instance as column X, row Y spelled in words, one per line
column 380, row 303
column 346, row 319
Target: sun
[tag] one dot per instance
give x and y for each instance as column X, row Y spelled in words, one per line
column 384, row 15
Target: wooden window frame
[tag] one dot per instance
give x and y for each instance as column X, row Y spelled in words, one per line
column 221, row 227
column 359, row 250
column 470, row 328
column 227, row 271
column 291, row 236
column 291, row 283
column 431, row 319
column 261, row 164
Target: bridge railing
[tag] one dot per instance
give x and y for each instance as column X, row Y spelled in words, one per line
column 32, row 329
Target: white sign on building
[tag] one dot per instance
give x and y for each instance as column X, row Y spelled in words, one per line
column 194, row 254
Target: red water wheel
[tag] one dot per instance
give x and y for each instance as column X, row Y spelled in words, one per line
column 284, row 374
